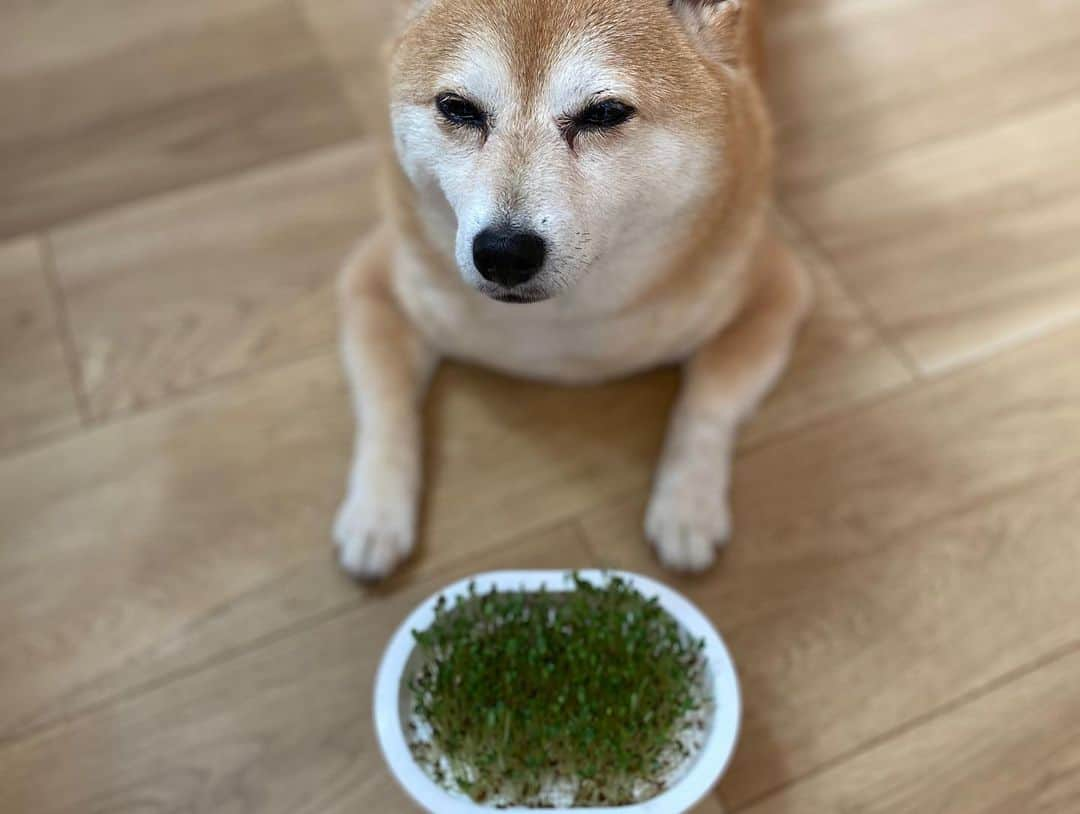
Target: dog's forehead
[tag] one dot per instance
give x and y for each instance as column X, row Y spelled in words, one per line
column 486, row 69
column 548, row 49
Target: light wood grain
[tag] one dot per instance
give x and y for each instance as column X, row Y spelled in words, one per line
column 901, row 593
column 965, row 246
column 840, row 359
column 120, row 538
column 1014, row 749
column 854, row 601
column 355, row 37
column 273, row 729
column 138, row 97
column 37, row 396
column 207, row 283
column 854, row 81
column 159, row 543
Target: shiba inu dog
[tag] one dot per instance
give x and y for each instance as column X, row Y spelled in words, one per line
column 577, row 190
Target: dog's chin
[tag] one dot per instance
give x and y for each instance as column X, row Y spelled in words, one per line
column 516, row 298
column 523, row 296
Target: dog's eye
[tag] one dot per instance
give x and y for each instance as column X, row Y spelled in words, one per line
column 603, row 115
column 460, row 111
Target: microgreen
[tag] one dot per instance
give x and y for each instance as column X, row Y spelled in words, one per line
column 591, row 689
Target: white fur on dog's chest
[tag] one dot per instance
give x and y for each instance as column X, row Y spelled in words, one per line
column 561, row 341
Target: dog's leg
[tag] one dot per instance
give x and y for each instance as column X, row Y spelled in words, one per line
column 689, row 515
column 388, row 366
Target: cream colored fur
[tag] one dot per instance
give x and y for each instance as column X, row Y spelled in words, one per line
column 660, row 248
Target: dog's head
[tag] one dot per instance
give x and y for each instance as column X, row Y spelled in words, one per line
column 559, row 130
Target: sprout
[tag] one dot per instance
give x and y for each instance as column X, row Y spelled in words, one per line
column 595, row 686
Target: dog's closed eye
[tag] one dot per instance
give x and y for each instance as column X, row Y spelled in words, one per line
column 460, row 112
column 607, row 114
column 603, row 115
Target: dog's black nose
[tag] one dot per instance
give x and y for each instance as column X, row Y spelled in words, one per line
column 507, row 257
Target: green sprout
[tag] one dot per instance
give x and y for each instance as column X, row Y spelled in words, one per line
column 590, row 689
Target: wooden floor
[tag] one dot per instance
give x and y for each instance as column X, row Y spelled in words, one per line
column 178, row 182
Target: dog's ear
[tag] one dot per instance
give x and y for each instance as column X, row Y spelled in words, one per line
column 715, row 26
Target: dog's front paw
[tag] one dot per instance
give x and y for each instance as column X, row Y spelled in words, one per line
column 375, row 529
column 688, row 518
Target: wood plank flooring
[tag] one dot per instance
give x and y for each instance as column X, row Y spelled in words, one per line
column 178, row 183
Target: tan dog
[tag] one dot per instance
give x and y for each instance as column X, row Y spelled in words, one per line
column 581, row 190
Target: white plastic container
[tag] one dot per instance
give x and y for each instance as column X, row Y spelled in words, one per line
column 393, row 701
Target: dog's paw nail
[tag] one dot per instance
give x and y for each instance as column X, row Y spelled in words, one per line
column 372, row 542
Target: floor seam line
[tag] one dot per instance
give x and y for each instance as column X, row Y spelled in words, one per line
column 821, row 255
column 966, row 699
column 62, row 319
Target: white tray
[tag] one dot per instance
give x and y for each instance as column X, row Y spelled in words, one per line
column 393, row 700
